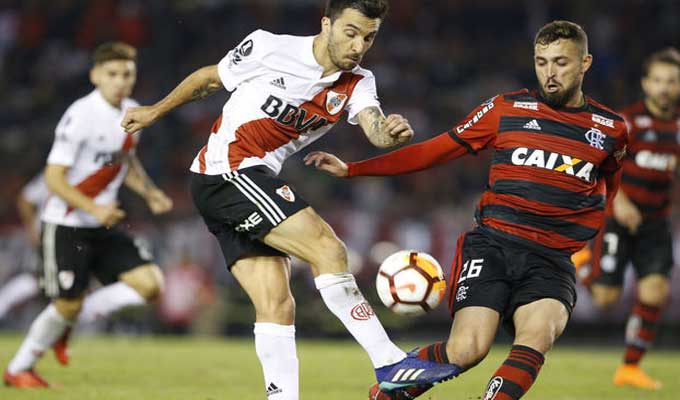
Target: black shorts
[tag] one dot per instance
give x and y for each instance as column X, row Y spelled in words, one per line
column 650, row 250
column 71, row 254
column 502, row 275
column 241, row 207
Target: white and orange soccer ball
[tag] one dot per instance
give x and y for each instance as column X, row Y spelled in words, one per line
column 410, row 282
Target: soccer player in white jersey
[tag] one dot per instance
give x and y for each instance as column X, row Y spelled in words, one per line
column 287, row 91
column 25, row 284
column 90, row 158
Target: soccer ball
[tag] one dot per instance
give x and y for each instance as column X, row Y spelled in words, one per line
column 410, row 282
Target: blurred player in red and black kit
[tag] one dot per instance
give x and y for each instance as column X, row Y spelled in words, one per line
column 556, row 162
column 638, row 227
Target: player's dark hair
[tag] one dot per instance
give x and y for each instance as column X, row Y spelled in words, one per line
column 370, row 8
column 562, row 30
column 114, row 51
column 669, row 55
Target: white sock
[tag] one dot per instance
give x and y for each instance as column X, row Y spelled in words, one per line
column 44, row 332
column 107, row 300
column 16, row 291
column 275, row 347
column 343, row 298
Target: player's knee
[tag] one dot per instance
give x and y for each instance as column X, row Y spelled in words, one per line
column 69, row 308
column 147, row 280
column 330, row 255
column 605, row 296
column 540, row 338
column 277, row 309
column 467, row 351
column 654, row 291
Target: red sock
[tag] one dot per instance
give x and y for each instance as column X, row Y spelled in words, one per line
column 516, row 375
column 435, row 352
column 640, row 331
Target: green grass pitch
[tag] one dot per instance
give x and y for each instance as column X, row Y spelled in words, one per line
column 107, row 368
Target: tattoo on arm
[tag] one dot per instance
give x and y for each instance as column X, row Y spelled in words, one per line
column 374, row 125
column 378, row 120
column 205, row 90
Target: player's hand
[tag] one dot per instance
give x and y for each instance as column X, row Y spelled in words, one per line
column 398, row 128
column 158, row 202
column 138, row 118
column 627, row 214
column 327, row 162
column 108, row 214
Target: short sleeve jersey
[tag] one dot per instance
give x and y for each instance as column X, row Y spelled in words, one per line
column 90, row 141
column 546, row 182
column 280, row 103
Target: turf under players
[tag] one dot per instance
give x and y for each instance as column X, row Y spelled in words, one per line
column 90, row 158
column 287, row 92
column 556, row 159
column 638, row 229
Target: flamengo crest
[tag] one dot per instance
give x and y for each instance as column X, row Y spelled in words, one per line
column 334, row 102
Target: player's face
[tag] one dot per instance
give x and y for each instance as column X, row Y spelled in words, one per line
column 662, row 85
column 114, row 79
column 560, row 67
column 349, row 37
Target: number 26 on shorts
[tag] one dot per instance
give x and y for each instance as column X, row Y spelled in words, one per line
column 471, row 269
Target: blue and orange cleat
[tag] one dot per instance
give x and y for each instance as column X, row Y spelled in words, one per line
column 413, row 371
column 410, row 393
column 25, row 380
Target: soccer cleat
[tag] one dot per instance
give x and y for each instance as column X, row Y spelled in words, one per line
column 374, row 393
column 413, row 371
column 632, row 375
column 60, row 348
column 25, row 380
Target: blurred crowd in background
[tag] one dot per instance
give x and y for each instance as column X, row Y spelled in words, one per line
column 434, row 61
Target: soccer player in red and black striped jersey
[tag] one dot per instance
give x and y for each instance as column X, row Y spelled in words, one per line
column 638, row 227
column 556, row 163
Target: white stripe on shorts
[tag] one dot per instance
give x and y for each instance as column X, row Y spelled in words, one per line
column 50, row 268
column 247, row 180
column 262, row 206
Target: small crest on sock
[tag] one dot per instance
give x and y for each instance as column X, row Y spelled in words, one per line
column 493, row 388
column 362, row 312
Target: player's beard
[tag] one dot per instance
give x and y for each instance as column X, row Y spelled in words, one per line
column 665, row 106
column 333, row 53
column 559, row 99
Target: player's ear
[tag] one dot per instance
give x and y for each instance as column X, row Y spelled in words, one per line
column 94, row 75
column 326, row 25
column 586, row 63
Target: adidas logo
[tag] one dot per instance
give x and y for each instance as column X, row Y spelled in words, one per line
column 279, row 83
column 533, row 124
column 272, row 389
column 407, row 374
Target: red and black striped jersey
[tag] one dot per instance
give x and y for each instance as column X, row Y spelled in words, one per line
column 649, row 166
column 550, row 173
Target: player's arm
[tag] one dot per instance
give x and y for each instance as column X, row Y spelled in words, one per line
column 475, row 132
column 139, row 182
column 57, row 183
column 27, row 214
column 384, row 132
column 200, row 84
column 625, row 211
